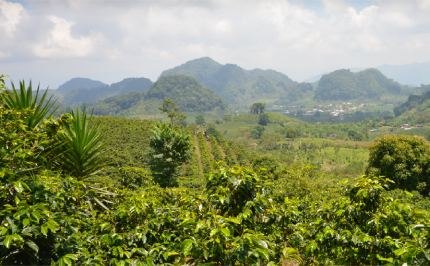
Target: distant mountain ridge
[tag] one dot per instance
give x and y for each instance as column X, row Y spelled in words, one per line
column 187, row 92
column 233, row 83
column 71, row 95
column 413, row 74
column 79, row 83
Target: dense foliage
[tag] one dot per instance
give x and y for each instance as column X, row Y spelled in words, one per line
column 264, row 213
column 115, row 104
column 405, row 159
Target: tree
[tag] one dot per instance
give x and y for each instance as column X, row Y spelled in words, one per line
column 227, row 117
column 257, row 132
column 264, row 119
column 218, row 121
column 169, row 107
column 258, row 108
column 292, row 133
column 169, row 149
column 212, row 131
column 200, row 120
column 404, row 159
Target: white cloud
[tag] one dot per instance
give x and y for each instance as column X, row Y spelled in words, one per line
column 151, row 36
column 61, row 44
column 11, row 15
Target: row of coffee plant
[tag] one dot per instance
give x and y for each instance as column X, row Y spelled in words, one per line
column 73, row 196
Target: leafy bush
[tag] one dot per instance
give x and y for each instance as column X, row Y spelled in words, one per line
column 405, row 159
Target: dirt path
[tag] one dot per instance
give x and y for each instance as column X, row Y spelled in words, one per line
column 222, row 151
column 196, row 145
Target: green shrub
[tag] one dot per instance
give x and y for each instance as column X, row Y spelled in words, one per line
column 404, row 159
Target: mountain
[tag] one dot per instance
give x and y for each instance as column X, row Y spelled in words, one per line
column 131, row 84
column 346, row 85
column 413, row 74
column 187, row 92
column 91, row 95
column 233, row 83
column 79, row 83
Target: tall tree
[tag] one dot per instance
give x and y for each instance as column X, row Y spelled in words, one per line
column 258, row 108
column 169, row 107
column 169, row 149
column 200, row 120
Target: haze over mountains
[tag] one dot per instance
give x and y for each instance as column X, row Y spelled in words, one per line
column 413, row 74
column 202, row 84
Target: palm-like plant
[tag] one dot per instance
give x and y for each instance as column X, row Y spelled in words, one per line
column 24, row 99
column 81, row 153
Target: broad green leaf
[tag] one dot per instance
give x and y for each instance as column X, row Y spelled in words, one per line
column 233, row 220
column 25, row 222
column 213, row 232
column 264, row 253
column 186, row 246
column 384, row 259
column 32, row 245
column 7, row 241
column 225, row 231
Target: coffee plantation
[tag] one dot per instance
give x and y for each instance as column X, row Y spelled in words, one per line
column 81, row 190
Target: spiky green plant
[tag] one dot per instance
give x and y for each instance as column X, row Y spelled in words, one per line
column 24, row 99
column 81, row 154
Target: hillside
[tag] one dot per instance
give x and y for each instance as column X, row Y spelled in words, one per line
column 187, row 92
column 91, row 95
column 417, row 107
column 346, row 85
column 236, row 85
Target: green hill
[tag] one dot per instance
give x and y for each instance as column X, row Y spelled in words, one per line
column 345, row 85
column 417, row 107
column 236, row 85
column 91, row 95
column 187, row 92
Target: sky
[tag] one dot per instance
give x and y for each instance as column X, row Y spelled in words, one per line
column 52, row 41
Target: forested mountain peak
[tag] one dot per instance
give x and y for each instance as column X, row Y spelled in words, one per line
column 187, row 92
column 79, row 83
column 235, row 84
column 343, row 84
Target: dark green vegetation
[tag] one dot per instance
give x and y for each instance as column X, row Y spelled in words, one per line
column 249, row 209
column 189, row 94
column 346, row 85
